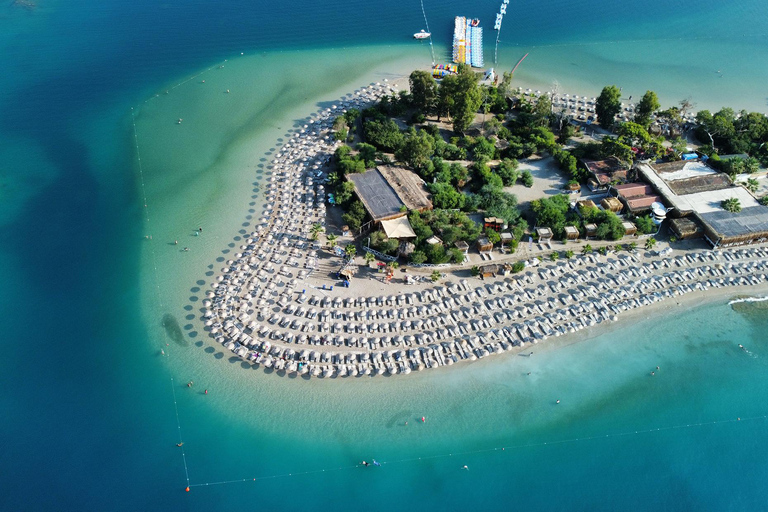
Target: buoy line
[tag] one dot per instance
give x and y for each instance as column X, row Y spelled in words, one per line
column 219, row 65
column 178, row 426
column 145, row 203
column 505, row 449
column 426, row 23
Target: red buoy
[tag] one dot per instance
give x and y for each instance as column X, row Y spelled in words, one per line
column 187, row 489
column 423, row 419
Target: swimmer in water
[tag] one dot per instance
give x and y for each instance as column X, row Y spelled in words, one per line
column 180, row 444
column 465, row 467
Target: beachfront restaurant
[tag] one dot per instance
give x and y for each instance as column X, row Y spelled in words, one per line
column 693, row 189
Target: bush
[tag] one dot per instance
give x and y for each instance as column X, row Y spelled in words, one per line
column 527, row 178
column 475, row 270
column 457, row 256
column 418, row 257
column 569, row 254
column 518, row 266
column 645, row 225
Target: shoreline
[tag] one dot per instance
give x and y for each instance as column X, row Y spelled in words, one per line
column 259, row 307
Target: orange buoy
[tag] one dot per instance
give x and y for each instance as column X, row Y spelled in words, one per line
column 187, row 489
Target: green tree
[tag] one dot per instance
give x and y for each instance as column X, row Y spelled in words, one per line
column 416, row 148
column 608, row 105
column 569, row 254
column 586, row 249
column 507, row 171
column 527, row 178
column 344, row 192
column 367, row 154
column 650, row 243
column 418, row 257
column 350, row 250
column 611, row 146
column 483, row 149
column 646, row 108
column 504, row 87
column 717, row 127
column 355, row 215
column 645, row 225
column 732, row 205
column 554, row 256
column 467, row 99
column 369, row 257
column 551, row 212
column 445, row 196
column 493, row 236
column 631, row 246
column 435, row 276
column 457, row 255
column 764, row 200
column 383, row 133
column 331, row 238
column 610, row 227
column 423, row 91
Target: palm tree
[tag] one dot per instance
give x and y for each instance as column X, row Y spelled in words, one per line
column 650, row 243
column 350, row 250
column 436, row 275
column 316, row 229
column 331, row 240
column 369, row 257
column 586, row 249
column 569, row 254
column 732, row 205
column 554, row 256
column 631, row 246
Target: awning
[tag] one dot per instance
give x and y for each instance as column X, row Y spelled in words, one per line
column 398, row 228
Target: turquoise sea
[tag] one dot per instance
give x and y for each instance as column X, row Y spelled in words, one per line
column 92, row 162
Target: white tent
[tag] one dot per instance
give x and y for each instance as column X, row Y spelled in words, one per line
column 398, row 228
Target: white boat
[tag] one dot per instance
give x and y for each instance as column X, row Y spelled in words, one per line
column 421, row 35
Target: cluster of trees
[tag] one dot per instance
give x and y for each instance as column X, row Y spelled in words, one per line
column 729, row 132
column 450, row 227
column 608, row 223
column 555, row 213
column 344, row 125
column 457, row 97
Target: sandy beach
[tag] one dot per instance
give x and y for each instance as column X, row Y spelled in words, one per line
column 278, row 302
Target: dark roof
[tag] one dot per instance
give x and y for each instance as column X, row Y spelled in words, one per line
column 705, row 183
column 749, row 221
column 378, row 197
column 609, row 165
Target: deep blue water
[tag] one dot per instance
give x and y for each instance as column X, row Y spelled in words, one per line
column 85, row 411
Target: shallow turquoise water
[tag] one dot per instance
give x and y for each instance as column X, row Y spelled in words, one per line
column 88, row 419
